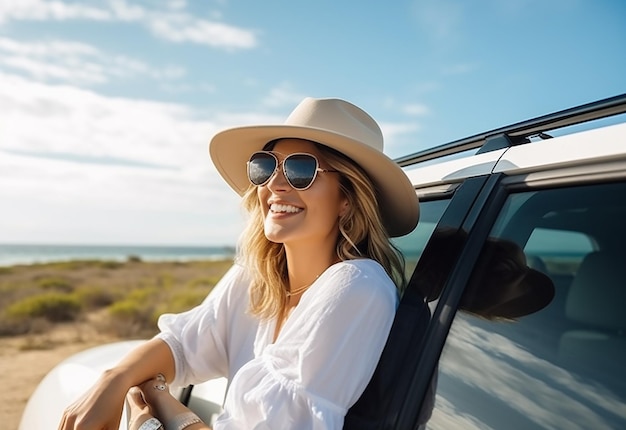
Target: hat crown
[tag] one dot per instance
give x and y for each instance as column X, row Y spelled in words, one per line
column 336, row 124
column 339, row 117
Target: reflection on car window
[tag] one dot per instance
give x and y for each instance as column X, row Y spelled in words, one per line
column 550, row 361
column 412, row 245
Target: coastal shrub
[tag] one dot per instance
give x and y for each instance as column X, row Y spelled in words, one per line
column 128, row 310
column 55, row 307
column 130, row 318
column 130, row 295
column 203, row 282
column 58, row 284
column 110, row 264
column 92, row 297
column 185, row 300
column 142, row 295
column 165, row 281
column 137, row 307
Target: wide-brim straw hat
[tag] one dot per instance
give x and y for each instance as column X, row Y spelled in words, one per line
column 337, row 124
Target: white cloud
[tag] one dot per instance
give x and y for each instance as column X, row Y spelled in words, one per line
column 185, row 28
column 77, row 63
column 396, row 135
column 42, row 10
column 415, row 109
column 172, row 23
column 283, row 96
column 77, row 166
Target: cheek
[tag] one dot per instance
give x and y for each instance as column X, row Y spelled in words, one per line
column 330, row 206
column 262, row 198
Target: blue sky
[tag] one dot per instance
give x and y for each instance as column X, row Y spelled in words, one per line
column 106, row 107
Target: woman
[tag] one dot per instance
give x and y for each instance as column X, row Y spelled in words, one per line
column 299, row 322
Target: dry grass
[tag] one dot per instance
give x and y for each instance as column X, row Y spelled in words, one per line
column 121, row 299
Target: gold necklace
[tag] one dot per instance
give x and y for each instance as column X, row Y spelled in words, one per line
column 298, row 291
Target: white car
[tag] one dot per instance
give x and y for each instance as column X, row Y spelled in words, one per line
column 515, row 316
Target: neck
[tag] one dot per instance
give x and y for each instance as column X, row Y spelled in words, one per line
column 305, row 265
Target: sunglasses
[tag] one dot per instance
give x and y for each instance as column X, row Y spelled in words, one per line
column 300, row 169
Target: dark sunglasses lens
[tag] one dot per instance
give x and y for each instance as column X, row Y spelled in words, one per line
column 260, row 168
column 300, row 170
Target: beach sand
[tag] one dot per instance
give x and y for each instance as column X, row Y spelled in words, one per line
column 25, row 360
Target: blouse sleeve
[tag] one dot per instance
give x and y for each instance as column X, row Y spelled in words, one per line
column 323, row 358
column 199, row 338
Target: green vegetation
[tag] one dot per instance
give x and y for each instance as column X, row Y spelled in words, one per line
column 120, row 298
column 55, row 307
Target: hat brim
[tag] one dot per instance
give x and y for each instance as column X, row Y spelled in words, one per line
column 230, row 150
column 538, row 293
column 533, row 292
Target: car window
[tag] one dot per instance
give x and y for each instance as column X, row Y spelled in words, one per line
column 412, row 245
column 544, row 347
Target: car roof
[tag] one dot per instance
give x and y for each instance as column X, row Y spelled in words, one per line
column 608, row 144
column 529, row 148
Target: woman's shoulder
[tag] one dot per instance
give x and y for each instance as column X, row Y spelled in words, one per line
column 360, row 267
column 362, row 274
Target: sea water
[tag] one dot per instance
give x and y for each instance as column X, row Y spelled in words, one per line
column 12, row 254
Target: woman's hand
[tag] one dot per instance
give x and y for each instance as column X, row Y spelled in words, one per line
column 165, row 407
column 139, row 411
column 99, row 408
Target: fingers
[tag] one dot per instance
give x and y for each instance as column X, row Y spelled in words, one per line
column 68, row 420
column 135, row 397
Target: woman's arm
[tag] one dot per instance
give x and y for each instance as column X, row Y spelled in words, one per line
column 167, row 409
column 101, row 407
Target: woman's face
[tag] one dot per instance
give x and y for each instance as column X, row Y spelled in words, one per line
column 308, row 217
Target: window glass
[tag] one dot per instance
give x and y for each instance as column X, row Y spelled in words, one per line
column 557, row 251
column 412, row 245
column 539, row 341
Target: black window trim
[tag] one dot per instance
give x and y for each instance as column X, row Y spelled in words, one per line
column 473, row 209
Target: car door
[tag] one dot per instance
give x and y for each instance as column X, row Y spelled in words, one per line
column 554, row 358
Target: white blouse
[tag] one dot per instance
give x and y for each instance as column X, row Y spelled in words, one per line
column 319, row 365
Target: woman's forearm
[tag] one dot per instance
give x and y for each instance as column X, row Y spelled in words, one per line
column 149, row 359
column 101, row 406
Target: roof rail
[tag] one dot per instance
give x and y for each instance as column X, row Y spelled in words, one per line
column 520, row 132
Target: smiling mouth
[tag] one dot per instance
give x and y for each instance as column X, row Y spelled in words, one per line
column 281, row 209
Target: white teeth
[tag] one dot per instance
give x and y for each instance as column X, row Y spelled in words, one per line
column 274, row 207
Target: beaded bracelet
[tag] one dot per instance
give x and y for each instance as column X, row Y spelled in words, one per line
column 182, row 421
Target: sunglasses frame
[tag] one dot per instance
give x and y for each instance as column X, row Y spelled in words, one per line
column 279, row 163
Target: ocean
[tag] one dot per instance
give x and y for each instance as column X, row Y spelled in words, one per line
column 13, row 254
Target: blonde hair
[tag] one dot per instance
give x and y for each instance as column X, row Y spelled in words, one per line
column 361, row 235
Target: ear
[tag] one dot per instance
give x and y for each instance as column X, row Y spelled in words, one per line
column 344, row 207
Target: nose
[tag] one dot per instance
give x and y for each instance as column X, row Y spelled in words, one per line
column 278, row 182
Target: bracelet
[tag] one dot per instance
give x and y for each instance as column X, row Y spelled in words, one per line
column 151, row 424
column 182, row 421
column 161, row 384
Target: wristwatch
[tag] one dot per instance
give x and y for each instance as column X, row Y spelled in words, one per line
column 151, row 424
